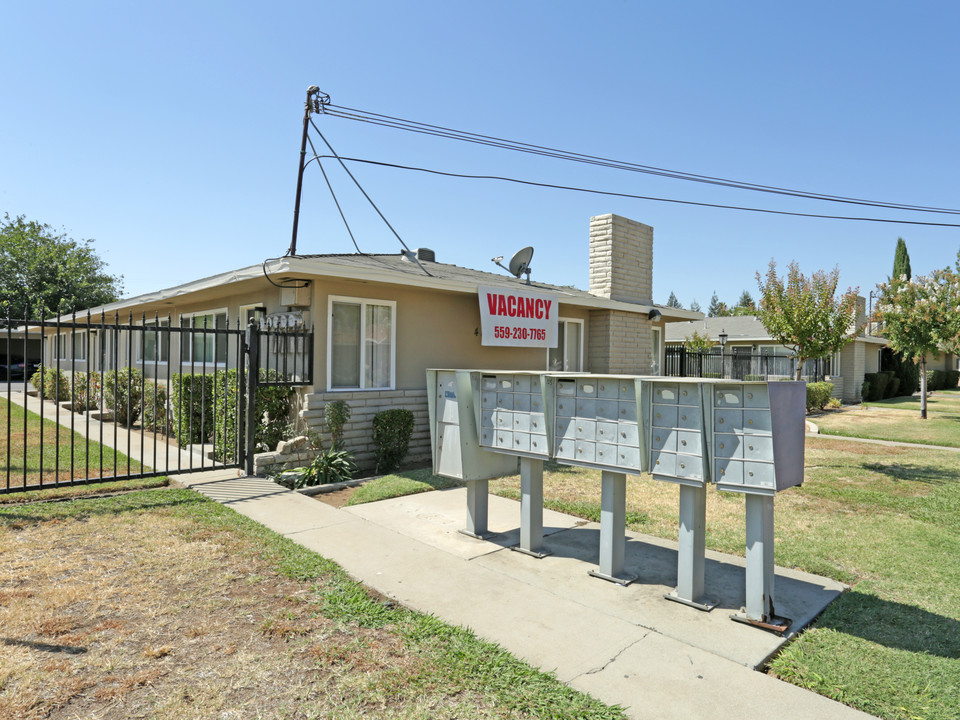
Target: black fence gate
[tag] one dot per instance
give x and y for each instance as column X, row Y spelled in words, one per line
column 108, row 400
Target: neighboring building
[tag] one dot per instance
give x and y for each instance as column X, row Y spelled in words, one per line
column 752, row 351
column 381, row 320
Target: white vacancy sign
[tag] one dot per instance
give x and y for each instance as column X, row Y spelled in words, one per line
column 518, row 318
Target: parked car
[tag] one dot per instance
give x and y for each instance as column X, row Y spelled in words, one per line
column 14, row 367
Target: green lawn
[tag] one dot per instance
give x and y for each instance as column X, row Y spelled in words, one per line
column 61, row 455
column 409, row 482
column 886, row 520
column 899, row 419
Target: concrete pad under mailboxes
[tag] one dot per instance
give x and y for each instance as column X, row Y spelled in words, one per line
column 659, row 677
column 799, row 596
column 436, row 518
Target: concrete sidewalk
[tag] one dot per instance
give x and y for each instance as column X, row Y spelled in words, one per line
column 623, row 645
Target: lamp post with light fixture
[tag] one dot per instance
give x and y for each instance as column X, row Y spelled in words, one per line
column 723, row 343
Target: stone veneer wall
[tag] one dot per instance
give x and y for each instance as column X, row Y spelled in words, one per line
column 621, row 259
column 619, row 342
column 621, row 268
column 358, row 433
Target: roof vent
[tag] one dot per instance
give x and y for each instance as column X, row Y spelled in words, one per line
column 426, row 255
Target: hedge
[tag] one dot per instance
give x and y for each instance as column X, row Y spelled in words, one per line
column 878, row 385
column 272, row 412
column 123, row 393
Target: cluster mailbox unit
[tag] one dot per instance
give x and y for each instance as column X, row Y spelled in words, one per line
column 745, row 437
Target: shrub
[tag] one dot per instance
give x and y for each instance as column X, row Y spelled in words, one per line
column 893, row 387
column 865, row 391
column 336, row 414
column 818, row 395
column 123, row 393
column 272, row 413
column 952, row 379
column 86, row 391
column 935, row 380
column 834, row 404
column 155, row 416
column 331, row 466
column 191, row 398
column 51, row 383
column 392, row 430
column 890, row 390
column 878, row 385
column 754, row 378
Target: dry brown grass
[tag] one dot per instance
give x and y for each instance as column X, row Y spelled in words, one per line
column 171, row 614
column 110, row 618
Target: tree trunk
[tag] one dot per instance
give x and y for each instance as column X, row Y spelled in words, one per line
column 799, row 361
column 923, row 388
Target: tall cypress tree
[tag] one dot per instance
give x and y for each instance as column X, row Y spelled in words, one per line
column 901, row 261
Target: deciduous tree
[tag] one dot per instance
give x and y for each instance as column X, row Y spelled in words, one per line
column 921, row 317
column 803, row 314
column 698, row 342
column 44, row 273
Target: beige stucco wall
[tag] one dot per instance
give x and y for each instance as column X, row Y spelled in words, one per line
column 434, row 329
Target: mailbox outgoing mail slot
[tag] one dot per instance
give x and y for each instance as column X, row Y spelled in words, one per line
column 454, row 398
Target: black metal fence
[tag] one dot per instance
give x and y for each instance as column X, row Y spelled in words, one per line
column 680, row 362
column 113, row 401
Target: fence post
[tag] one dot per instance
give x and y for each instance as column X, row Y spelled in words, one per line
column 253, row 375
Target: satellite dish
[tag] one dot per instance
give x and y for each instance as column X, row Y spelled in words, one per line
column 520, row 263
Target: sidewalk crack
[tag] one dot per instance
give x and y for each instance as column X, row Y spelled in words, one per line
column 616, row 657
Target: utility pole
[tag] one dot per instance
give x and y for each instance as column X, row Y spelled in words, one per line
column 313, row 105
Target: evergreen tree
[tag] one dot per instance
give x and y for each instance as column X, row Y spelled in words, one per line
column 901, row 262
column 713, row 310
column 673, row 302
column 745, row 305
column 695, row 306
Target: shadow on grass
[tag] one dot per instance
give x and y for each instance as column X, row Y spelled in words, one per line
column 80, row 507
column 44, row 647
column 893, row 625
column 913, row 472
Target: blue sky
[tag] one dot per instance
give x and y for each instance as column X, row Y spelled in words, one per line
column 169, row 132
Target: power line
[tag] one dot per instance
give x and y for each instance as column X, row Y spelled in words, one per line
column 610, row 193
column 492, row 141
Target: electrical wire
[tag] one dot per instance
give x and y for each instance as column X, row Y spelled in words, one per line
column 409, row 253
column 571, row 188
column 334, row 196
column 492, row 141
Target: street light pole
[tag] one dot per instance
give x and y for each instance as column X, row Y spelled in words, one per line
column 723, row 343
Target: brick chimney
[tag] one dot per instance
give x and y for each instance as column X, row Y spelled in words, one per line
column 621, row 268
column 621, row 259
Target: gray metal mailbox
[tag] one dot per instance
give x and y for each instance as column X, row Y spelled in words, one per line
column 452, row 401
column 745, row 437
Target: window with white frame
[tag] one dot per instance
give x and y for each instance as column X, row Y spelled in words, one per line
column 361, row 346
column 70, row 345
column 567, row 356
column 256, row 311
column 204, row 347
column 153, row 344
